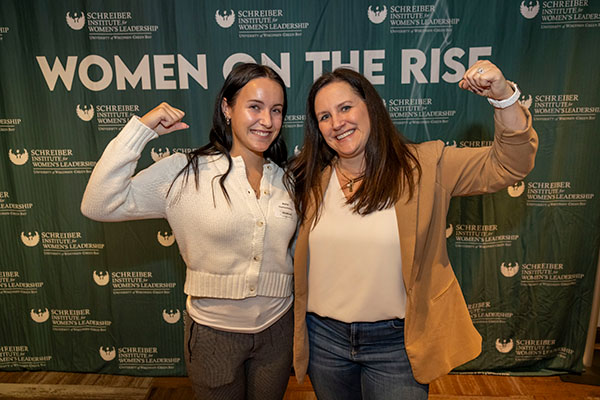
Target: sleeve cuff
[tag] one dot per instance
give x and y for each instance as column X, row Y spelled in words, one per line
column 135, row 135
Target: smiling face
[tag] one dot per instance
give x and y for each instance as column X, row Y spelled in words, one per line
column 343, row 120
column 256, row 117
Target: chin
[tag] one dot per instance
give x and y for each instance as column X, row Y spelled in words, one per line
column 262, row 144
column 260, row 149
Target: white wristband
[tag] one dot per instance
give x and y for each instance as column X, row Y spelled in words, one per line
column 507, row 102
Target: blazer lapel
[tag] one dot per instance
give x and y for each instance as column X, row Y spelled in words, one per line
column 300, row 265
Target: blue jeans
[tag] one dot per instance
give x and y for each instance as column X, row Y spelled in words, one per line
column 361, row 360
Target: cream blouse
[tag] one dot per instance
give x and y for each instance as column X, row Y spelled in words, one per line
column 355, row 268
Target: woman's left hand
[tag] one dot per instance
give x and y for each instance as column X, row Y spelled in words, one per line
column 485, row 79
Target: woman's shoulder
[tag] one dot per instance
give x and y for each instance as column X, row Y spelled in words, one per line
column 430, row 150
column 180, row 160
column 175, row 160
column 277, row 168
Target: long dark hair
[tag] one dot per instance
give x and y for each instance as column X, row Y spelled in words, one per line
column 221, row 138
column 390, row 165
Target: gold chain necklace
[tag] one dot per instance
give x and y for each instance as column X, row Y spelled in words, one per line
column 351, row 181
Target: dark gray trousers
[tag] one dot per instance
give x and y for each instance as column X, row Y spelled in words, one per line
column 245, row 366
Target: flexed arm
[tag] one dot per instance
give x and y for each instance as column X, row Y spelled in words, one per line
column 486, row 79
column 112, row 194
column 468, row 171
column 164, row 119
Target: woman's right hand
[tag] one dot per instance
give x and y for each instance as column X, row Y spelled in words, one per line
column 164, row 119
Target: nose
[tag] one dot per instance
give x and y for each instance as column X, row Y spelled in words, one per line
column 266, row 119
column 337, row 122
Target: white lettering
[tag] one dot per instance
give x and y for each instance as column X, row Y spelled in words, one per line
column 415, row 68
column 453, row 64
column 51, row 75
column 234, row 59
column 415, row 60
column 142, row 72
column 162, row 69
column 161, row 72
column 434, row 76
column 317, row 58
column 185, row 68
column 84, row 77
column 336, row 61
column 370, row 67
column 284, row 70
column 476, row 52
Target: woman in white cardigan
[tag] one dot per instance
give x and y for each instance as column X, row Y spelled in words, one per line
column 233, row 221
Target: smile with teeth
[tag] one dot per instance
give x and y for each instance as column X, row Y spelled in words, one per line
column 345, row 134
column 261, row 133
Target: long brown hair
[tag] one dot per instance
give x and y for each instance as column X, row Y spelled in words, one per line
column 390, row 165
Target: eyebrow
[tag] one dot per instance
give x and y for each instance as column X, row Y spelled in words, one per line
column 262, row 102
column 318, row 114
column 343, row 103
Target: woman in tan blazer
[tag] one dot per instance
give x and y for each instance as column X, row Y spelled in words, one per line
column 378, row 310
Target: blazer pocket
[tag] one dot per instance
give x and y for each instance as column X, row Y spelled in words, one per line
column 440, row 295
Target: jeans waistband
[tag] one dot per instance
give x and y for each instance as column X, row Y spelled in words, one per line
column 383, row 321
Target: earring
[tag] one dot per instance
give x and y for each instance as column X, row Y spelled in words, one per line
column 227, row 120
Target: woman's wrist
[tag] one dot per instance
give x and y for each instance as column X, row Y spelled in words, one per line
column 508, row 101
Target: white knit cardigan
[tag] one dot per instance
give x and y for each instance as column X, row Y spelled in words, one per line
column 232, row 250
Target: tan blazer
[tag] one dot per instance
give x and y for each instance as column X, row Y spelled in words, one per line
column 439, row 334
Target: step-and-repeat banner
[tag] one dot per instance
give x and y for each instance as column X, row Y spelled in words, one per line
column 80, row 295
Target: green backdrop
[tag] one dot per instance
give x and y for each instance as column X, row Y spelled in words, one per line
column 79, row 295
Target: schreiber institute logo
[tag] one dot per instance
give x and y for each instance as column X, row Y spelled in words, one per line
column 449, row 231
column 377, row 14
column 529, row 9
column 39, row 315
column 18, row 157
column 107, row 353
column 85, row 112
column 76, row 20
column 516, row 189
column 526, row 101
column 159, row 153
column 225, row 18
column 101, row 277
column 166, row 239
column 509, row 269
column 30, row 239
column 504, row 345
column 171, row 316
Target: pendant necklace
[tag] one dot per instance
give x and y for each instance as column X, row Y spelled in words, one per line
column 351, row 181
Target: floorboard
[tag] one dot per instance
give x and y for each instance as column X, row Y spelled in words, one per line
column 70, row 392
column 74, row 386
column 50, row 385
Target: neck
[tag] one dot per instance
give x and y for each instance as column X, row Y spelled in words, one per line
column 353, row 167
column 251, row 159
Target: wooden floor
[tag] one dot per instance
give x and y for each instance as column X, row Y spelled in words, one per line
column 71, row 386
column 60, row 385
